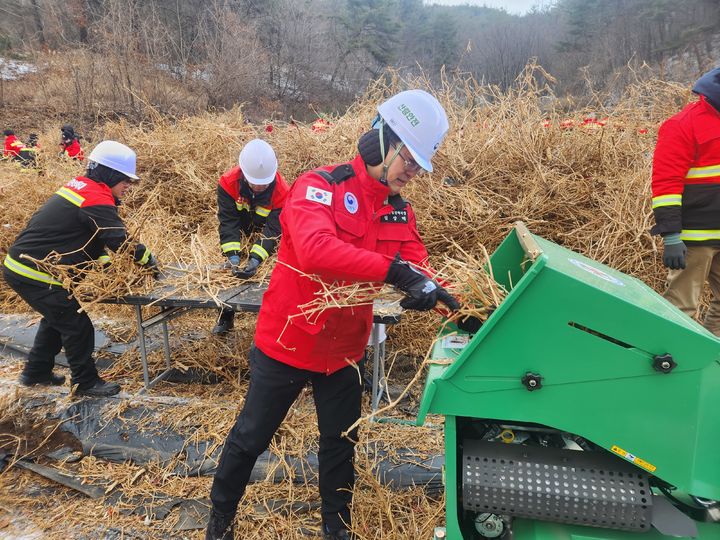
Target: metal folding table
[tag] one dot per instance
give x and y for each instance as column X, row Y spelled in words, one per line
column 247, row 297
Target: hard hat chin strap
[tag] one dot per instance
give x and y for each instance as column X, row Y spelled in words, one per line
column 386, row 166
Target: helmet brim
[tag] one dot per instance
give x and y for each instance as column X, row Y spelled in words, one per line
column 425, row 164
column 260, row 181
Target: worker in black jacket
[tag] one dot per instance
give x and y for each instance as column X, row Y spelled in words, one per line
column 250, row 197
column 78, row 222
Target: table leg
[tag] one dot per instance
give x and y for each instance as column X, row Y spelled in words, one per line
column 375, row 394
column 166, row 344
column 141, row 343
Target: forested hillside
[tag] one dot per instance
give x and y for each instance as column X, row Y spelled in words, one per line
column 284, row 57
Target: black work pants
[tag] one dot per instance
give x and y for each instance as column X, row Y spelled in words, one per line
column 274, row 386
column 61, row 326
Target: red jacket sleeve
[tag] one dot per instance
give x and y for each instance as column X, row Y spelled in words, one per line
column 674, row 154
column 229, row 220
column 312, row 230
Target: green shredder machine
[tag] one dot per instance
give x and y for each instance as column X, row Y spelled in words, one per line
column 587, row 407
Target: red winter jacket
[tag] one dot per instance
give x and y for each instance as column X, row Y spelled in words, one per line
column 686, row 175
column 341, row 228
column 13, row 146
column 73, row 150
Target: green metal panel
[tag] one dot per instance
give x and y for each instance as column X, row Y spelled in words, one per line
column 539, row 530
column 591, row 333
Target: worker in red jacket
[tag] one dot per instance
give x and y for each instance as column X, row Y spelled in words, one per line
column 70, row 144
column 78, row 222
column 344, row 224
column 13, row 145
column 250, row 197
column 686, row 200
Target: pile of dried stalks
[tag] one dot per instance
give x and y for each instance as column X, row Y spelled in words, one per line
column 584, row 188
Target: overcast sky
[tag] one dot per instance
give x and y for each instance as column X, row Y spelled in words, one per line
column 511, row 6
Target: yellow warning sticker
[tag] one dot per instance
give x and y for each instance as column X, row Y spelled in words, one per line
column 633, row 459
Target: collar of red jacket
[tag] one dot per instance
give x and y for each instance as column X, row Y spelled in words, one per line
column 708, row 106
column 100, row 186
column 379, row 190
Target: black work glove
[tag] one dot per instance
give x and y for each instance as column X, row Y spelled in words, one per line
column 422, row 293
column 250, row 269
column 675, row 252
column 469, row 324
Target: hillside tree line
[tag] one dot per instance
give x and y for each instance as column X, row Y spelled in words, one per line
column 290, row 56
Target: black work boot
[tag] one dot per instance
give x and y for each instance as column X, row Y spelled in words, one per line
column 224, row 324
column 99, row 388
column 220, row 526
column 337, row 534
column 45, row 380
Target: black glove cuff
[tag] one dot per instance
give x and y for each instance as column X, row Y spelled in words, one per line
column 469, row 324
column 394, row 272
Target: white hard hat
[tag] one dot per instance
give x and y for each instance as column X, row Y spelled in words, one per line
column 258, row 162
column 116, row 156
column 420, row 122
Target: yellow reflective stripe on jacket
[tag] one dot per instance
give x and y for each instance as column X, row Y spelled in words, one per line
column 28, row 272
column 145, row 258
column 262, row 211
column 258, row 250
column 230, row 246
column 241, row 207
column 667, row 200
column 699, row 235
column 704, row 172
column 71, row 196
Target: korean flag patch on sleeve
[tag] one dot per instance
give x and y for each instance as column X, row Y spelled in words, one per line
column 319, row 195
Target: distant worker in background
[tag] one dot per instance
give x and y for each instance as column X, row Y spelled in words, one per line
column 70, row 143
column 250, row 197
column 13, row 145
column 686, row 200
column 17, row 151
column 78, row 222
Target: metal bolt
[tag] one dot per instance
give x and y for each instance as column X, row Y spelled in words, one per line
column 665, row 365
column 532, row 382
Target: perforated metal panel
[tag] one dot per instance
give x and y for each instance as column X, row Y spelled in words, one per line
column 551, row 484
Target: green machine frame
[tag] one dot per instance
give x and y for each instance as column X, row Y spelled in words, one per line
column 586, row 350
